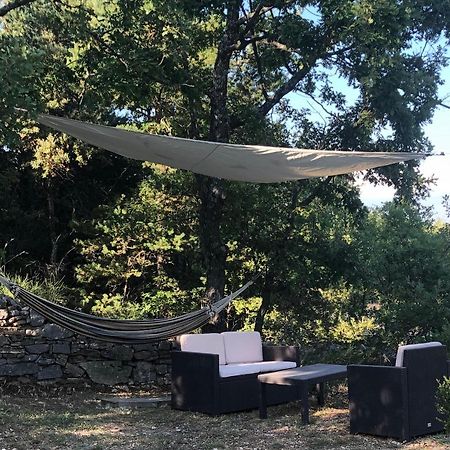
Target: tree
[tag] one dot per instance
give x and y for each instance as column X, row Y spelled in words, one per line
column 139, row 255
column 404, row 269
column 224, row 71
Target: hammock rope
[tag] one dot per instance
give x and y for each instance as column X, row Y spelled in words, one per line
column 116, row 330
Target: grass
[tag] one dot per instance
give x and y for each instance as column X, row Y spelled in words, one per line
column 53, row 418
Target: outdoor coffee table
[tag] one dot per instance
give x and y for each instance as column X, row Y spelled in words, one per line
column 303, row 377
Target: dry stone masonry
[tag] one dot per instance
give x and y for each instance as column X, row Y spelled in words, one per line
column 34, row 350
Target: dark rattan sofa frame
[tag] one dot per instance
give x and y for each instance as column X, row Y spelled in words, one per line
column 398, row 402
column 197, row 386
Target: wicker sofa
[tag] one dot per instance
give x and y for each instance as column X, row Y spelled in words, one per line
column 398, row 401
column 217, row 373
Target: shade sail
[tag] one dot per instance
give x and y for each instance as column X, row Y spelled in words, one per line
column 251, row 163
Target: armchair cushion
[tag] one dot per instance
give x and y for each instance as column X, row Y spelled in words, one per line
column 204, row 343
column 242, row 347
column 402, row 348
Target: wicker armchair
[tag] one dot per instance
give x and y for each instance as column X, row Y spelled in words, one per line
column 398, row 401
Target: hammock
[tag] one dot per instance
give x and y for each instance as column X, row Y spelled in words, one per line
column 120, row 331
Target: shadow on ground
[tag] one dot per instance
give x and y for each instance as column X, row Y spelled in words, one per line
column 74, row 418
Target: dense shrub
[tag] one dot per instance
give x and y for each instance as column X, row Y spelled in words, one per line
column 444, row 402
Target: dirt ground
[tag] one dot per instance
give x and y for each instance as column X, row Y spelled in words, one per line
column 48, row 418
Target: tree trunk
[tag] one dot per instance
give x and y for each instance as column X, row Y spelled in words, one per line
column 211, row 190
column 213, row 249
column 266, row 295
column 52, row 226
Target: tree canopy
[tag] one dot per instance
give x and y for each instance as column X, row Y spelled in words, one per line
column 134, row 239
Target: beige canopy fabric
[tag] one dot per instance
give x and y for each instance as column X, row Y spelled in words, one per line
column 251, row 163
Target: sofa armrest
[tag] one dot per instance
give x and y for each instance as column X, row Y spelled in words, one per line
column 281, row 353
column 195, row 379
column 378, row 400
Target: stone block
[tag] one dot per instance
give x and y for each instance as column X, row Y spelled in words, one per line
column 73, row 370
column 19, row 322
column 165, row 345
column 53, row 332
column 167, row 361
column 45, row 361
column 14, row 333
column 61, row 359
column 18, row 369
column 144, row 373
column 37, row 348
column 4, row 340
column 119, row 352
column 62, row 347
column 29, row 332
column 11, row 352
column 91, row 354
column 76, row 359
column 49, row 372
column 30, row 340
column 146, row 347
column 107, row 372
column 3, row 314
column 146, row 355
column 36, row 320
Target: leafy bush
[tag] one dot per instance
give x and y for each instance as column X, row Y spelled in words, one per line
column 443, row 399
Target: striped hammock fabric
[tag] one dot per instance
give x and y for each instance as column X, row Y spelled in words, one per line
column 120, row 331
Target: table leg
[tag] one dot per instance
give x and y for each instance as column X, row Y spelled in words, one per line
column 321, row 394
column 262, row 401
column 304, row 395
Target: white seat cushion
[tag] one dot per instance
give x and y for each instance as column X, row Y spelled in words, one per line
column 232, row 370
column 272, row 366
column 204, row 343
column 402, row 348
column 242, row 347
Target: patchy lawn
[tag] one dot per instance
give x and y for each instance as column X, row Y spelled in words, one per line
column 74, row 418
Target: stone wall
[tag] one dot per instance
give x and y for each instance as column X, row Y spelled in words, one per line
column 33, row 350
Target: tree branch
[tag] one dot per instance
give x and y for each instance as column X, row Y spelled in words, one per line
column 13, row 5
column 315, row 192
column 260, row 70
column 283, row 90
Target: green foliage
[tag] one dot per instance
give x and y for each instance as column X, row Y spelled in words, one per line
column 332, row 273
column 50, row 288
column 443, row 402
column 243, row 313
column 135, row 248
column 404, row 265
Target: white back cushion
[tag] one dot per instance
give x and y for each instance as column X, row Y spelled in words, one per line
column 204, row 343
column 402, row 348
column 242, row 346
